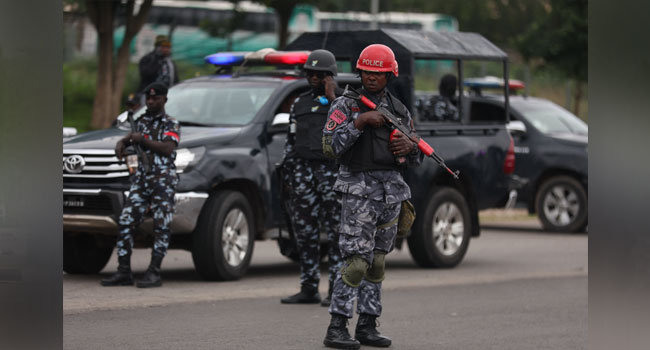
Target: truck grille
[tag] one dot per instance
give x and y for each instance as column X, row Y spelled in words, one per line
column 92, row 164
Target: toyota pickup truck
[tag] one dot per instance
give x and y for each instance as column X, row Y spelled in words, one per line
column 234, row 126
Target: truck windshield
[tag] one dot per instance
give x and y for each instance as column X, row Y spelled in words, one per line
column 550, row 118
column 216, row 102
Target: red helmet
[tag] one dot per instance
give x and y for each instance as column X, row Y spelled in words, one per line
column 377, row 58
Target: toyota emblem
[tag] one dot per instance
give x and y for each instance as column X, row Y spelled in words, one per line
column 74, row 164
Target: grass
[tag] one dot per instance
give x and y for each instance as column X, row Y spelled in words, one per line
column 80, row 78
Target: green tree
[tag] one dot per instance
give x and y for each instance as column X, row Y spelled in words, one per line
column 560, row 40
column 283, row 10
column 225, row 28
column 111, row 69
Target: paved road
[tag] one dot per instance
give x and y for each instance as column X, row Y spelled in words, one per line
column 518, row 288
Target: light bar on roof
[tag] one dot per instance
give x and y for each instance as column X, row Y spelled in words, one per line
column 226, row 58
column 287, row 57
column 492, row 83
column 263, row 56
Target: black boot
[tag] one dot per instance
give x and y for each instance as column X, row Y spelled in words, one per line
column 328, row 299
column 151, row 277
column 367, row 334
column 123, row 276
column 306, row 295
column 337, row 334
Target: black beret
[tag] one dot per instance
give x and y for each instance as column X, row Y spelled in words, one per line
column 156, row 89
column 133, row 99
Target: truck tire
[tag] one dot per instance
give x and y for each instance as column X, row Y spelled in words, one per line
column 441, row 236
column 84, row 254
column 561, row 205
column 222, row 246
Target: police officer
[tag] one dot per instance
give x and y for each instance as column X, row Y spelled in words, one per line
column 315, row 206
column 372, row 190
column 157, row 65
column 158, row 135
column 442, row 107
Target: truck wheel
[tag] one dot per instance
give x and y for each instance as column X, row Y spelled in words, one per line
column 442, row 234
column 561, row 205
column 223, row 244
column 84, row 254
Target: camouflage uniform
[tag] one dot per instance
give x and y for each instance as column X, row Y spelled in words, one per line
column 441, row 109
column 154, row 190
column 315, row 207
column 370, row 199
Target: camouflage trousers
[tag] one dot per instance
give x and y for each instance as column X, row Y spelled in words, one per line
column 315, row 208
column 153, row 192
column 360, row 236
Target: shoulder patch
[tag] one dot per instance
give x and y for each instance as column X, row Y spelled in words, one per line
column 338, row 117
column 331, row 125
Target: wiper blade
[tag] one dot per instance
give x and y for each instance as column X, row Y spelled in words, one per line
column 193, row 123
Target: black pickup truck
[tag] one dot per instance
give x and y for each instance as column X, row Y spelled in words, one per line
column 233, row 133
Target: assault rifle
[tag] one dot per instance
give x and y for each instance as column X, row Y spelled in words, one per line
column 397, row 125
column 140, row 152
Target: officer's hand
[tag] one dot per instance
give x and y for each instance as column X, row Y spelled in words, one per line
column 330, row 88
column 400, row 145
column 119, row 150
column 371, row 118
column 136, row 138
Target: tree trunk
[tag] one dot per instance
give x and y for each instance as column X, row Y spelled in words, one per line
column 577, row 96
column 284, row 14
column 111, row 74
column 102, row 109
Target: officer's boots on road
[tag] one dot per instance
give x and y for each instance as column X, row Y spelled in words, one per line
column 123, row 276
column 307, row 295
column 151, row 277
column 328, row 299
column 337, row 334
column 367, row 334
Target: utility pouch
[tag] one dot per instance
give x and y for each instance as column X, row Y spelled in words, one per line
column 406, row 219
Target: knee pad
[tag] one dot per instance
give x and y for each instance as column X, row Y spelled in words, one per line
column 376, row 272
column 353, row 270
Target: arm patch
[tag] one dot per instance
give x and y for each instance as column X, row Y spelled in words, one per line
column 338, row 117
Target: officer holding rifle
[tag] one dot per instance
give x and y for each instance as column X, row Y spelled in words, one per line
column 370, row 180
column 153, row 185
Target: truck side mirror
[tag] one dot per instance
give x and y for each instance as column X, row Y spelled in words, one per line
column 69, row 131
column 280, row 123
column 517, row 128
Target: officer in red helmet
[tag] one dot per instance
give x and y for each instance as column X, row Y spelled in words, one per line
column 372, row 190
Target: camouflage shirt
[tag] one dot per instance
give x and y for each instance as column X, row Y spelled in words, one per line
column 160, row 127
column 340, row 134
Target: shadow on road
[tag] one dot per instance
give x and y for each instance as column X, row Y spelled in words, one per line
column 512, row 228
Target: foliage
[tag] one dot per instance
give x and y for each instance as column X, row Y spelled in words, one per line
column 79, row 82
column 224, row 29
column 560, row 38
column 497, row 20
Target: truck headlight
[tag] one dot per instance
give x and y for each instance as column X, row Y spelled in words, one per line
column 186, row 157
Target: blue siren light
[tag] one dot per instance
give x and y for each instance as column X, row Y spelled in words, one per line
column 263, row 56
column 226, row 58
